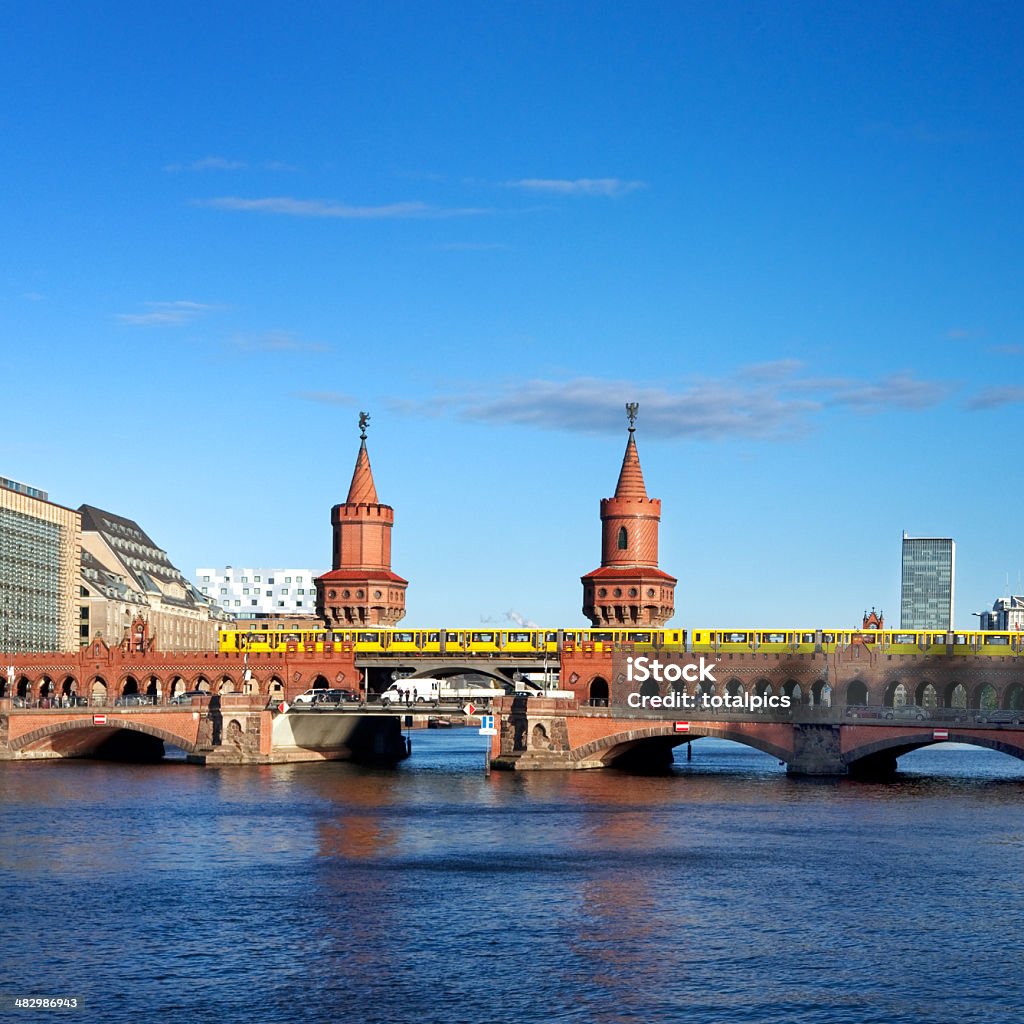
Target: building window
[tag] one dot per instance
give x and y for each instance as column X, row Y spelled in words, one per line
column 223, row 590
column 270, row 580
column 287, row 579
column 280, row 604
column 284, row 590
column 206, row 590
column 254, row 603
column 298, row 604
column 206, row 579
column 245, row 579
column 623, row 539
column 300, row 591
column 257, row 579
column 298, row 579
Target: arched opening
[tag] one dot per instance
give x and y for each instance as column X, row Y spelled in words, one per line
column 23, row 689
column 623, row 539
column 818, row 689
column 47, row 692
column 857, row 692
column 985, row 697
column 177, row 686
column 68, row 689
column 98, row 691
column 705, row 688
column 955, row 696
column 791, row 689
column 275, row 691
column 226, row 685
column 762, row 688
column 250, row 686
column 320, row 683
column 130, row 686
column 598, row 694
column 203, row 684
column 895, row 695
column 153, row 689
column 1013, row 697
column 734, row 688
column 926, row 696
column 650, row 689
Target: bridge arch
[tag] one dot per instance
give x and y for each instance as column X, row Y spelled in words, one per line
column 661, row 738
column 475, row 669
column 81, row 737
column 883, row 753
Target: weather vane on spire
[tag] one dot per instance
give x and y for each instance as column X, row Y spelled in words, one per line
column 364, row 422
column 631, row 410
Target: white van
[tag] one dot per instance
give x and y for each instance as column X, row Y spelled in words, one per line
column 416, row 691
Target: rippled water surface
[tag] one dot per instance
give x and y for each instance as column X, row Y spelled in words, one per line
column 724, row 892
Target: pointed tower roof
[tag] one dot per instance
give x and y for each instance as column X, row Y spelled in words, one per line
column 362, row 490
column 631, row 477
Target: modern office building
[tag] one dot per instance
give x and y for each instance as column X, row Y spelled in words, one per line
column 40, row 551
column 929, row 572
column 259, row 593
column 1007, row 614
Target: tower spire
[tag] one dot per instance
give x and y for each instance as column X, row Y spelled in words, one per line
column 631, row 477
column 362, row 490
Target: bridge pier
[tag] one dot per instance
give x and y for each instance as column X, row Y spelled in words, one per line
column 817, row 750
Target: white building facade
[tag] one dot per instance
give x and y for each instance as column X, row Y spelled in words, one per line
column 246, row 593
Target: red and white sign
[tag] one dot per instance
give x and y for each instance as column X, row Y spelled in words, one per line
column 99, row 719
column 470, row 709
column 940, row 734
column 682, row 726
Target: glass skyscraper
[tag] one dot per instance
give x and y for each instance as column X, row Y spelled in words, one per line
column 926, row 600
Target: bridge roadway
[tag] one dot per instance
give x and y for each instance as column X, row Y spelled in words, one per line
column 532, row 734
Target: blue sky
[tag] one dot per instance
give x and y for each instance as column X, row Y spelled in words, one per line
column 791, row 231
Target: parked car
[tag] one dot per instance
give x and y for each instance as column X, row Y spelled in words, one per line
column 132, row 700
column 336, row 695
column 310, row 696
column 907, row 711
column 186, row 697
column 863, row 711
column 1011, row 717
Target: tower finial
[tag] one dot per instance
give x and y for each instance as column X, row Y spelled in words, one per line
column 631, row 410
column 364, row 422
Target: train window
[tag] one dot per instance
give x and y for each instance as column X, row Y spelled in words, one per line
column 600, row 636
column 939, row 638
column 368, row 638
column 481, row 638
column 518, row 638
column 734, row 638
column 291, row 638
column 451, row 638
column 321, row 637
column 999, row 640
column 433, row 638
column 550, row 637
column 807, row 638
column 401, row 638
column 904, row 638
column 570, row 636
column 639, row 638
column 257, row 638
column 337, row 637
column 865, row 638
column 773, row 638
column 960, row 638
column 828, row 638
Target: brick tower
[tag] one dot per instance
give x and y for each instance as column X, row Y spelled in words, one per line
column 361, row 589
column 629, row 589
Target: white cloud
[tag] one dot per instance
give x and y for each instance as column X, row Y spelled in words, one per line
column 275, row 341
column 578, row 186
column 209, row 163
column 764, row 401
column 292, row 207
column 165, row 313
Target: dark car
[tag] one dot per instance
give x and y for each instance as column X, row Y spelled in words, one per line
column 1000, row 717
column 335, row 697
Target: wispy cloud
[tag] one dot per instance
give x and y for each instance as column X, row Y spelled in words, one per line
column 762, row 401
column 327, row 397
column 1007, row 350
column 209, row 163
column 165, row 313
column 292, row 207
column 995, row 398
column 275, row 341
column 578, row 186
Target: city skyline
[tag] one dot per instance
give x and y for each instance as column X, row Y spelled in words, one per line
column 790, row 235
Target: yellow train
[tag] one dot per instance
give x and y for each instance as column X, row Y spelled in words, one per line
column 554, row 641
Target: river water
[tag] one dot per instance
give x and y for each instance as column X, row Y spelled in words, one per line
column 434, row 894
